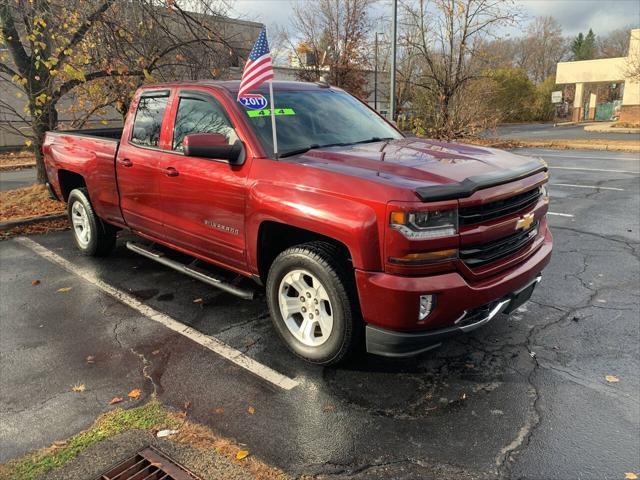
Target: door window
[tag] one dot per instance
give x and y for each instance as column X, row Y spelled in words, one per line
column 201, row 116
column 148, row 121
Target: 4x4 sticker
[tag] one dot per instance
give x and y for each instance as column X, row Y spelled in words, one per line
column 267, row 111
column 254, row 101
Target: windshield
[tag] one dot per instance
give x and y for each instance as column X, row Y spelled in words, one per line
column 313, row 119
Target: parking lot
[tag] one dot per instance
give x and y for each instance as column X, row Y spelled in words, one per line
column 524, row 397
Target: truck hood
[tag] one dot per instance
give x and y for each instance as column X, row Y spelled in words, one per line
column 434, row 170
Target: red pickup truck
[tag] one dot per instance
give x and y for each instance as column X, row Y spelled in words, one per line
column 358, row 234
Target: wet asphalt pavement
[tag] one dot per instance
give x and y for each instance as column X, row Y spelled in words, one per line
column 523, row 397
column 17, row 178
column 547, row 131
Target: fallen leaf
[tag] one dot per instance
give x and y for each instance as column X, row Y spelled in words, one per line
column 218, row 410
column 611, row 378
column 198, row 300
column 630, row 476
column 35, row 282
column 135, row 393
column 329, row 408
column 187, row 405
column 78, row 388
column 60, row 443
column 469, row 365
column 166, row 433
column 155, row 352
column 90, row 359
column 64, row 289
column 242, row 454
column 251, row 410
column 115, row 400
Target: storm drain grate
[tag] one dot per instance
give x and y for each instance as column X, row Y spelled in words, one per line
column 148, row 464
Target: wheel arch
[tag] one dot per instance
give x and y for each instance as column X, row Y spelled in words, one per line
column 69, row 181
column 275, row 237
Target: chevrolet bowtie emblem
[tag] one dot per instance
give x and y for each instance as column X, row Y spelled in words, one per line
column 525, row 222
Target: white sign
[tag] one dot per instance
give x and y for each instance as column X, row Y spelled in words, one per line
column 556, row 97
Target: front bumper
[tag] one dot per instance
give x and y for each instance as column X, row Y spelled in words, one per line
column 389, row 343
column 390, row 303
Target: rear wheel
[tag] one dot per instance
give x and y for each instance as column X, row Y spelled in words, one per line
column 93, row 237
column 310, row 298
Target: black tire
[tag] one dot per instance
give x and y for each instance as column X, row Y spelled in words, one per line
column 323, row 260
column 102, row 236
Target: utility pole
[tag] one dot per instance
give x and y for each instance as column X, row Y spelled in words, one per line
column 375, row 76
column 394, row 34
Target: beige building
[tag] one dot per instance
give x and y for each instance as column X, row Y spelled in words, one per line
column 587, row 75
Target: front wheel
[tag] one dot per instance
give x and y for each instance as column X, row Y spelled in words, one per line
column 93, row 237
column 311, row 301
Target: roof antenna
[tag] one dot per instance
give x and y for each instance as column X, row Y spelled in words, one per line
column 322, row 82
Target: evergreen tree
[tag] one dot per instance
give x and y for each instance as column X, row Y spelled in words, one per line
column 583, row 47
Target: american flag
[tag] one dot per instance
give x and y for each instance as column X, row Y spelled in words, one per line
column 258, row 68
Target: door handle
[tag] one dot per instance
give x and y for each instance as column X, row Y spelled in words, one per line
column 125, row 162
column 171, row 172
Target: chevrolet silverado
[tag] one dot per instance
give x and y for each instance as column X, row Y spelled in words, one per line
column 358, row 234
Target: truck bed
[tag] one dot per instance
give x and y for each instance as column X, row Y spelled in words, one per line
column 91, row 155
column 101, row 133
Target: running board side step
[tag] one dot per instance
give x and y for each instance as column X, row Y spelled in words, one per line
column 191, row 271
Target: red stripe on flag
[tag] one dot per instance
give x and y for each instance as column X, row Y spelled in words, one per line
column 256, row 83
column 255, row 73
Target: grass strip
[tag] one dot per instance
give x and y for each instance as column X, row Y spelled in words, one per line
column 150, row 416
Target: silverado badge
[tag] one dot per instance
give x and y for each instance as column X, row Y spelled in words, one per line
column 525, row 222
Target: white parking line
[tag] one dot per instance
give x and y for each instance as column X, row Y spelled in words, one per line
column 581, row 155
column 586, row 186
column 594, row 170
column 206, row 341
column 560, row 214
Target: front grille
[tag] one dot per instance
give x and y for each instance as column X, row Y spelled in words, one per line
column 500, row 208
column 148, row 464
column 478, row 255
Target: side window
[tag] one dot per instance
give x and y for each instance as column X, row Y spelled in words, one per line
column 148, row 121
column 201, row 116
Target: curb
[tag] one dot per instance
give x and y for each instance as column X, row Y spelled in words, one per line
column 621, row 130
column 16, row 166
column 28, row 221
column 628, row 146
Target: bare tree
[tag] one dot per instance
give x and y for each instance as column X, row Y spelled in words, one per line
column 541, row 48
column 614, row 44
column 333, row 38
column 60, row 47
column 447, row 34
column 632, row 68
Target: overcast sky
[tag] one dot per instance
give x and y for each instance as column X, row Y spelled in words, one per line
column 574, row 15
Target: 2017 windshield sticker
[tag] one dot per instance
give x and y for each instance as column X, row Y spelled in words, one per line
column 267, row 111
column 253, row 101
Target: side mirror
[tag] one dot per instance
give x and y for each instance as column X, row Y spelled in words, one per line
column 213, row 145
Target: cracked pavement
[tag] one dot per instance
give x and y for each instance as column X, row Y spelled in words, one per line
column 523, row 397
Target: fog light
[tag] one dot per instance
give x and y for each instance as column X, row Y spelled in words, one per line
column 427, row 302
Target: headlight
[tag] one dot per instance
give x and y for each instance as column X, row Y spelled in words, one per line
column 424, row 225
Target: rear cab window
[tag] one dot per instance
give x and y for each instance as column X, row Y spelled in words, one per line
column 147, row 124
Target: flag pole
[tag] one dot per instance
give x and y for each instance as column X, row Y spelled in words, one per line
column 273, row 121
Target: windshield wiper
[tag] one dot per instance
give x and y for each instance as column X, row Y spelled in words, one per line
column 311, row 147
column 299, row 151
column 372, row 140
